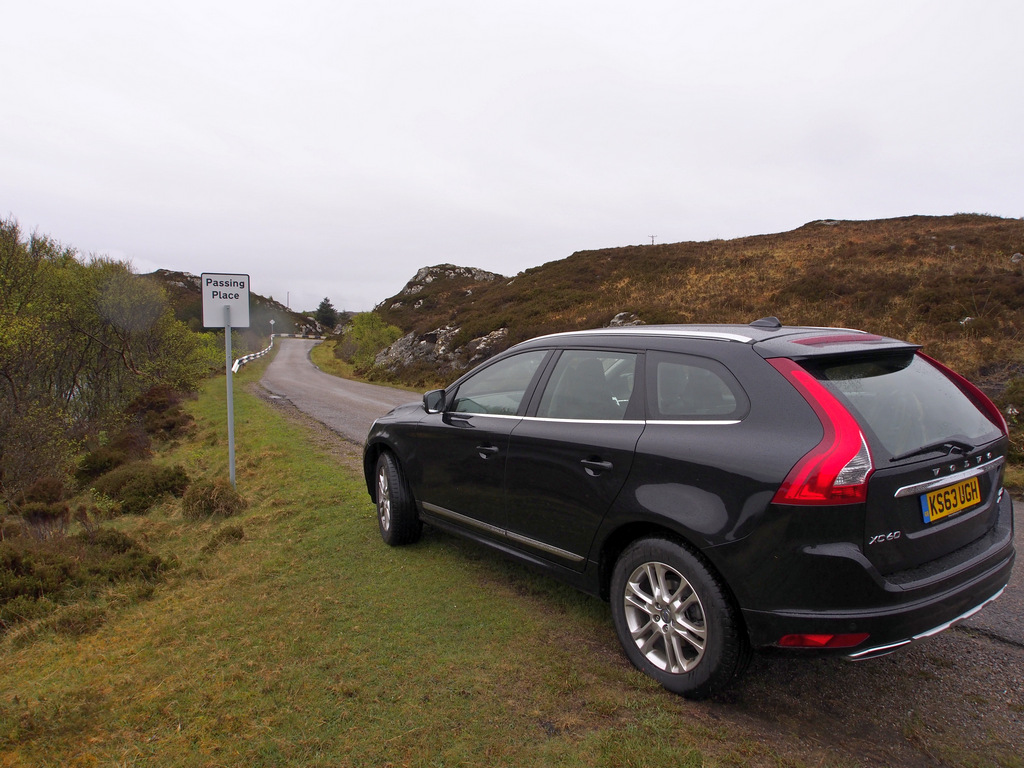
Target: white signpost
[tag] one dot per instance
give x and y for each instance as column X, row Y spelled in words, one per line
column 226, row 305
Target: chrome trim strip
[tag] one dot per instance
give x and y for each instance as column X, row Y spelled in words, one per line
column 634, row 422
column 931, row 485
column 533, row 543
column 469, row 521
column 496, row 531
column 467, row 415
column 882, row 650
column 639, row 330
column 873, row 653
column 961, row 617
column 694, row 423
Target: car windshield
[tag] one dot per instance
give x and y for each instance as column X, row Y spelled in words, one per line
column 908, row 403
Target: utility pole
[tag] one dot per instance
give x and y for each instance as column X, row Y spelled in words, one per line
column 652, row 238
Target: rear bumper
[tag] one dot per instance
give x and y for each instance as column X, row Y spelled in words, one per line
column 883, row 650
column 846, row 595
column 890, row 627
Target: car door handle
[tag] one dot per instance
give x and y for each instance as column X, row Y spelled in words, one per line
column 486, row 450
column 595, row 467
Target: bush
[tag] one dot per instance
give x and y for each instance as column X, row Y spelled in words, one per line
column 168, row 425
column 211, row 498
column 364, row 337
column 36, row 577
column 139, row 485
column 45, row 520
column 99, row 462
column 46, row 490
column 160, row 411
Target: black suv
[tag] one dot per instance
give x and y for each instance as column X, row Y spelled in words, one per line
column 726, row 487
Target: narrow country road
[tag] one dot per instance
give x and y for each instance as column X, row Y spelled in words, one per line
column 347, row 407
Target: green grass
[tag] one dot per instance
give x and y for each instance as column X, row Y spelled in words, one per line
column 301, row 639
column 323, row 358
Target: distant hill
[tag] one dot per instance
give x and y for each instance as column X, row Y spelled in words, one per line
column 954, row 284
column 186, row 297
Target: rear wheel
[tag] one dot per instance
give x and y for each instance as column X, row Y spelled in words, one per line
column 674, row 619
column 397, row 518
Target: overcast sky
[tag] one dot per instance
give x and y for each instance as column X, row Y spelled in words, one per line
column 332, row 148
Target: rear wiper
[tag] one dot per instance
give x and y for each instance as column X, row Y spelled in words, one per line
column 946, row 447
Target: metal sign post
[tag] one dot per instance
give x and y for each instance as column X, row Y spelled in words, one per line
column 221, row 294
column 228, row 364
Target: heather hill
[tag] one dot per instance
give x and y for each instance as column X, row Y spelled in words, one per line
column 186, row 297
column 954, row 284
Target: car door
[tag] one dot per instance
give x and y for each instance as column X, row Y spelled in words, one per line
column 463, row 450
column 569, row 458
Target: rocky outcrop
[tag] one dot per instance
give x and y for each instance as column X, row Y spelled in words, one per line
column 625, row 318
column 436, row 348
column 429, row 275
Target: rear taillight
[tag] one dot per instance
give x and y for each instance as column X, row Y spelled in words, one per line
column 979, row 398
column 836, row 470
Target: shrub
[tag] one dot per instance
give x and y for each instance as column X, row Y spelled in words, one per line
column 211, row 498
column 36, row 577
column 168, row 425
column 45, row 490
column 365, row 336
column 23, row 608
column 99, row 462
column 161, row 414
column 44, row 520
column 11, row 527
column 139, row 485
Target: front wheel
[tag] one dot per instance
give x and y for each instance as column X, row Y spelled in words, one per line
column 674, row 619
column 397, row 518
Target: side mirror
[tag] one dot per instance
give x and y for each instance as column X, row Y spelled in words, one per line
column 433, row 401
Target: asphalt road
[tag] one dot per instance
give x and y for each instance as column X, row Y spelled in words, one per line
column 346, row 407
column 1002, row 619
column 350, row 407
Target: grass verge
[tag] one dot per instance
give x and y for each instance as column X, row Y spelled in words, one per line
column 323, row 358
column 290, row 635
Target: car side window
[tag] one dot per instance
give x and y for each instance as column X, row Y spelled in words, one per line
column 589, row 385
column 498, row 389
column 684, row 388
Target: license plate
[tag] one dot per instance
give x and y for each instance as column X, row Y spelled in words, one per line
column 950, row 500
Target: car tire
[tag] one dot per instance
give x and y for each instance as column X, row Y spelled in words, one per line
column 397, row 518
column 675, row 620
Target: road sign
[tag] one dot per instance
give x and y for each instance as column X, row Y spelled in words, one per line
column 220, row 291
column 226, row 305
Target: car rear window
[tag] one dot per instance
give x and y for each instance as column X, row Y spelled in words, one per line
column 906, row 402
